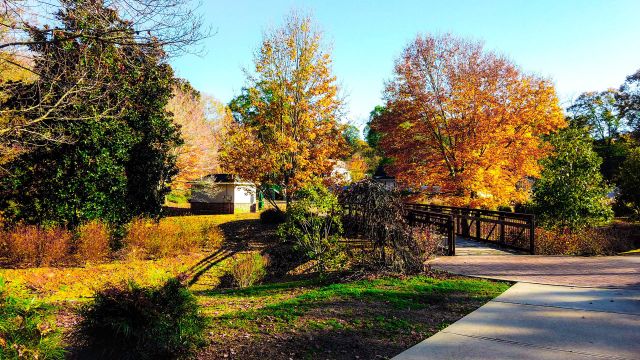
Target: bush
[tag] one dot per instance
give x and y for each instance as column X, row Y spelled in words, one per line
column 27, row 327
column 314, row 225
column 30, row 245
column 248, row 269
column 131, row 322
column 378, row 214
column 93, row 241
column 152, row 239
column 571, row 191
column 582, row 241
column 272, row 216
column 629, row 182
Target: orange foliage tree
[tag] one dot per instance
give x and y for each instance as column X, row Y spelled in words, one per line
column 286, row 131
column 467, row 120
column 201, row 119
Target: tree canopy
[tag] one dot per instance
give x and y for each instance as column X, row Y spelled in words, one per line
column 286, row 130
column 465, row 119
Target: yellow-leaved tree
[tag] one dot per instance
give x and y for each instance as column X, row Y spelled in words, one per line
column 286, row 131
column 466, row 120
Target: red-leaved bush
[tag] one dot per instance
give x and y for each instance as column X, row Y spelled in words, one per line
column 586, row 241
column 93, row 241
column 30, row 245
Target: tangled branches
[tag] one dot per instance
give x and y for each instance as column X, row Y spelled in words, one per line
column 378, row 215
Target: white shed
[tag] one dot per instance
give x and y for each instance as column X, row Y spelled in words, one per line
column 222, row 194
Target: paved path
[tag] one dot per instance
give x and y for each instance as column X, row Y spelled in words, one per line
column 605, row 271
column 561, row 308
column 465, row 247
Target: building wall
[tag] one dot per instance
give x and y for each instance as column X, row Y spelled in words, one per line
column 222, row 198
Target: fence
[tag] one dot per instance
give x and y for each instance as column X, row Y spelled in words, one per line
column 439, row 224
column 505, row 229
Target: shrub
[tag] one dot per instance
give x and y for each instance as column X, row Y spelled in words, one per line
column 314, row 225
column 571, row 191
column 27, row 327
column 170, row 236
column 629, row 182
column 378, row 214
column 582, row 241
column 248, row 269
column 92, row 241
column 132, row 322
column 30, row 245
column 272, row 216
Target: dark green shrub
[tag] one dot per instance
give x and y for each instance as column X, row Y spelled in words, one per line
column 629, row 182
column 272, row 216
column 27, row 327
column 571, row 191
column 132, row 322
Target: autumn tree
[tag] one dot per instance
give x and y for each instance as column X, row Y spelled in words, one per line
column 201, row 119
column 286, row 130
column 465, row 119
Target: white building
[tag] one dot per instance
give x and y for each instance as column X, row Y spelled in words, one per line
column 222, row 194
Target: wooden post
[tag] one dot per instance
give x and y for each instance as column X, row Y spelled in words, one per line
column 502, row 237
column 478, row 234
column 452, row 236
column 532, row 234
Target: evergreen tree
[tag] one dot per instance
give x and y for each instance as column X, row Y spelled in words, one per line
column 571, row 191
column 107, row 167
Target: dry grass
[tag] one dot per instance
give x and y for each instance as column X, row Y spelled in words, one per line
column 29, row 245
column 93, row 242
column 608, row 240
column 153, row 240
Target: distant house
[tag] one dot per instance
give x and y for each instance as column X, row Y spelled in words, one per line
column 340, row 173
column 381, row 176
column 222, row 194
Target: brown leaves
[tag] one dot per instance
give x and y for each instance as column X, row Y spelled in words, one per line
column 467, row 120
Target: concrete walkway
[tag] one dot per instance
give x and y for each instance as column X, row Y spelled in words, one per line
column 561, row 308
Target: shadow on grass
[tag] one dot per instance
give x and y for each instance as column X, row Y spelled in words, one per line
column 370, row 319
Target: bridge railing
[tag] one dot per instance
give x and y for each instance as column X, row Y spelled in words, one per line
column 505, row 229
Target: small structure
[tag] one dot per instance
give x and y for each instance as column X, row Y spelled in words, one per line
column 381, row 176
column 222, row 194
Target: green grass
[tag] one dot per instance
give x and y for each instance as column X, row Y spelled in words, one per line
column 27, row 326
column 282, row 307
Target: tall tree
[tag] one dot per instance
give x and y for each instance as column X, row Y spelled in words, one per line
column 599, row 113
column 571, row 191
column 30, row 27
column 465, row 119
column 112, row 167
column 628, row 101
column 200, row 118
column 287, row 131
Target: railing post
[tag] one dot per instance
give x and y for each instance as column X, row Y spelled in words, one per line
column 478, row 234
column 502, row 237
column 452, row 236
column 532, row 234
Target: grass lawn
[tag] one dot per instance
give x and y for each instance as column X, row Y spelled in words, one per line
column 294, row 316
column 376, row 318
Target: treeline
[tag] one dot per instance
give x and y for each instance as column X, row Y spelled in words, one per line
column 85, row 127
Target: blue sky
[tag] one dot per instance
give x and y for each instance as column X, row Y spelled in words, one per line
column 581, row 45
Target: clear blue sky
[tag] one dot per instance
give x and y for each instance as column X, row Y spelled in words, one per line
column 582, row 45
